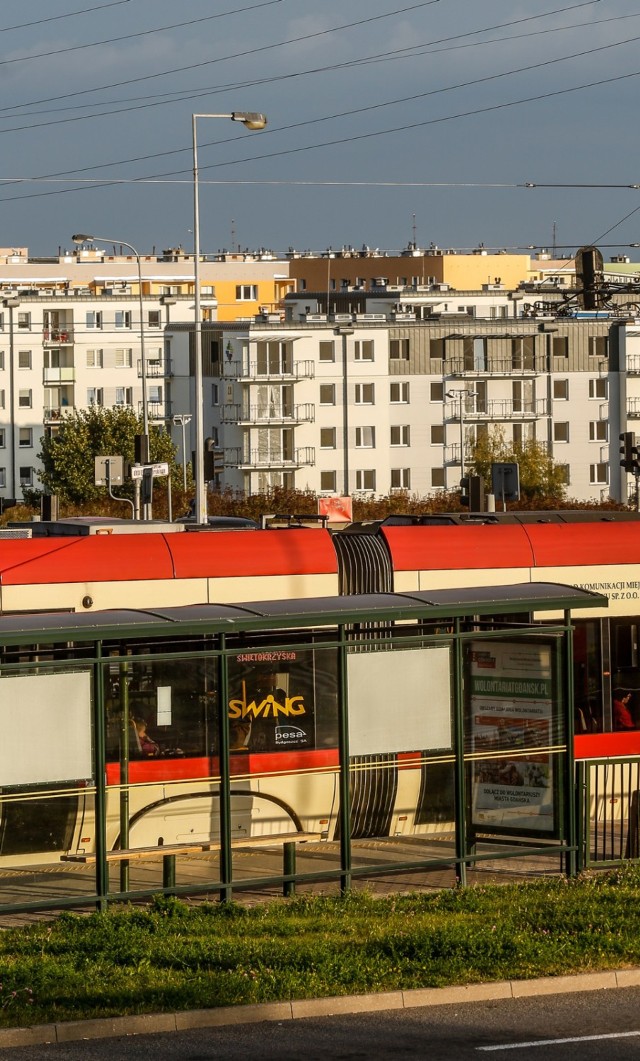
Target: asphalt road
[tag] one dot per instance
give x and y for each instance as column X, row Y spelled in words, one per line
column 570, row 1027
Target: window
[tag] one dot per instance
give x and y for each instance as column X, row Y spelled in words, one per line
column 26, row 477
column 474, row 351
column 560, row 346
column 598, row 388
column 366, row 480
column 154, row 316
column 124, row 396
column 523, row 352
column 400, row 435
column 24, row 321
column 327, row 438
column 3, row 437
column 94, row 358
column 363, row 350
column 94, row 396
column 246, row 292
column 400, row 478
column 24, row 359
column 436, row 392
column 561, row 390
column 25, row 437
column 215, row 394
column 437, row 434
column 399, row 349
column 365, row 394
column 599, row 431
column 599, row 473
column 123, row 318
column 565, row 471
column 3, row 478
column 437, row 477
column 124, row 358
column 1, row 360
column 436, row 349
column 1, row 399
column 399, row 393
column 93, row 319
column 327, row 350
column 327, row 394
column 598, row 346
column 24, row 399
column 328, row 482
column 365, row 437
column 561, row 432
column 1, row 322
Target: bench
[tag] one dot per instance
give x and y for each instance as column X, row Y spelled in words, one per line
column 169, row 852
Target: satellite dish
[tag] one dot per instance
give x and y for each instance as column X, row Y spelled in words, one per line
column 589, row 277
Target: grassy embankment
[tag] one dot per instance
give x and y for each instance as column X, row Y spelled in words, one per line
column 171, row 956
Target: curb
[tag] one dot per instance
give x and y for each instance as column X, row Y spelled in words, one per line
column 153, row 1023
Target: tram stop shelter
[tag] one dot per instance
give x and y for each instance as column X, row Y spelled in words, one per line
column 211, row 749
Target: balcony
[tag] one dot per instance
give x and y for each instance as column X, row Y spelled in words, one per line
column 258, row 414
column 633, row 409
column 57, row 337
column 633, row 365
column 156, row 410
column 52, row 376
column 499, row 409
column 54, row 413
column 155, row 369
column 518, row 367
column 259, row 371
column 237, row 458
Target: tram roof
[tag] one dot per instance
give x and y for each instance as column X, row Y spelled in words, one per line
column 297, row 613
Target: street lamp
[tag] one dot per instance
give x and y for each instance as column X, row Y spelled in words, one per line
column 182, row 420
column 250, row 121
column 83, row 238
column 461, row 394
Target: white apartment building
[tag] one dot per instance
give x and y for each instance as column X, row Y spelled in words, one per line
column 372, row 402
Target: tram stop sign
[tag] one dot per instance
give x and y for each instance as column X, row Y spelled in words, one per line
column 108, row 470
column 505, row 481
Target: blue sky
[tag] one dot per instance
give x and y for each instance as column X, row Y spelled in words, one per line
column 387, row 119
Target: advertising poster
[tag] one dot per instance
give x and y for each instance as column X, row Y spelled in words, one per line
column 512, row 720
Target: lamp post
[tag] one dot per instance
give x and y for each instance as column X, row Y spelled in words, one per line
column 461, row 394
column 181, row 420
column 250, row 121
column 83, row 238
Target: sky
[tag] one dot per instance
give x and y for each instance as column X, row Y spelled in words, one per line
column 389, row 122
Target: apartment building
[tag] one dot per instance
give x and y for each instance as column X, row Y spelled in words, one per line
column 372, row 402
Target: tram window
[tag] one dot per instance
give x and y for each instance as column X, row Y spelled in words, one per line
column 176, row 700
column 588, row 665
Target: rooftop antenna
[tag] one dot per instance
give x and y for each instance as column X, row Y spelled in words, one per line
column 233, row 235
column 553, row 241
column 413, row 229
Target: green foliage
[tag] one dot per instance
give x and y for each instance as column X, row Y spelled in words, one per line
column 540, row 476
column 172, row 955
column 68, row 456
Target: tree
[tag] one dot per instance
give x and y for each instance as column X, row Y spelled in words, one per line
column 68, row 456
column 540, row 476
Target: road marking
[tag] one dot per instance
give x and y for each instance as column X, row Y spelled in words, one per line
column 558, row 1042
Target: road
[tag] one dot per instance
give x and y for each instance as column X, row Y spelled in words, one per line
column 571, row 1027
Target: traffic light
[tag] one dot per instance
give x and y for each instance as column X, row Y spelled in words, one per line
column 628, row 451
column 213, row 460
column 472, row 492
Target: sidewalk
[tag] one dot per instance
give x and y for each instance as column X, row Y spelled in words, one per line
column 153, row 1023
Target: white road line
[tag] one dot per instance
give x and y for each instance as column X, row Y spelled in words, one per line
column 558, row 1042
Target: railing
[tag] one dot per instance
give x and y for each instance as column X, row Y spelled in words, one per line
column 608, row 791
column 491, row 366
column 633, row 365
column 305, row 456
column 258, row 414
column 56, row 412
column 633, row 409
column 58, row 336
column 155, row 369
column 156, row 410
column 498, row 409
column 66, row 374
column 259, row 370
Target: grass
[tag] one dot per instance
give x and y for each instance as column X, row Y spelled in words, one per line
column 173, row 956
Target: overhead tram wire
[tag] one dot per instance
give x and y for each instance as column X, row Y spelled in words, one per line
column 341, row 114
column 211, row 62
column 68, row 14
column 355, row 111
